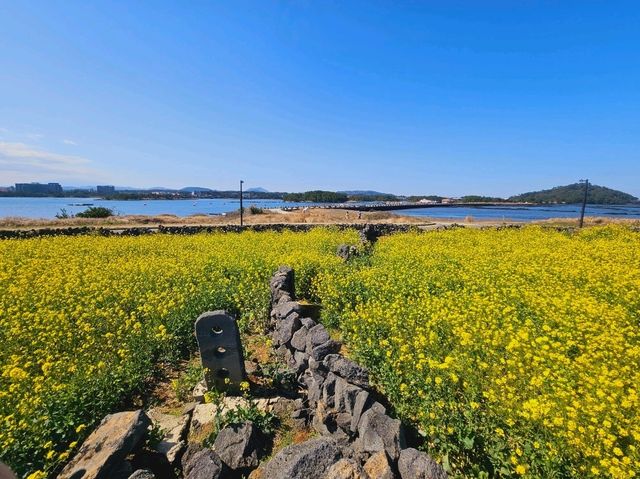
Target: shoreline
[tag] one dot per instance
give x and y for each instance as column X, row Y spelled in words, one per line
column 279, row 217
column 313, row 216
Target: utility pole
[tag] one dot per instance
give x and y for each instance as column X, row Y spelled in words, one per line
column 584, row 200
column 241, row 208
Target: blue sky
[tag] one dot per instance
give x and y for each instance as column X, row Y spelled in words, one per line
column 424, row 97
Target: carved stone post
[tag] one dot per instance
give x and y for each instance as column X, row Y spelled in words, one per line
column 221, row 351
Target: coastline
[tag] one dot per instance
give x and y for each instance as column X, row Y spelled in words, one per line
column 276, row 216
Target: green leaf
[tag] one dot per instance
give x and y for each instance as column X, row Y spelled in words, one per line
column 467, row 442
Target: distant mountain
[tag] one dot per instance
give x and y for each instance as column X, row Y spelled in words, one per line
column 257, row 189
column 598, row 195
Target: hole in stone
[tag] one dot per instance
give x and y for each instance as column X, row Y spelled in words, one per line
column 220, row 351
column 216, row 330
column 223, row 373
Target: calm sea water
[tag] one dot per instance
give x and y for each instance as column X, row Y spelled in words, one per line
column 48, row 207
column 527, row 213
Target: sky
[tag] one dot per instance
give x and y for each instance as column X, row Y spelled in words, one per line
column 406, row 97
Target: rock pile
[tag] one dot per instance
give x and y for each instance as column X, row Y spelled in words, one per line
column 118, row 448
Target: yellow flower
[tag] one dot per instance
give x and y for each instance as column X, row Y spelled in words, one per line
column 535, row 330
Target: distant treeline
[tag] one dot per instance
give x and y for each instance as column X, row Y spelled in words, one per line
column 317, row 196
column 481, row 199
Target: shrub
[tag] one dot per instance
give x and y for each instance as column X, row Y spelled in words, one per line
column 62, row 215
column 263, row 420
column 95, row 212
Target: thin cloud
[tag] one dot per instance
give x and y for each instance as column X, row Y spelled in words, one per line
column 34, row 136
column 69, row 142
column 25, row 161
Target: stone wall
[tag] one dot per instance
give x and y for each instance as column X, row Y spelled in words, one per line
column 374, row 229
column 358, row 438
column 368, row 231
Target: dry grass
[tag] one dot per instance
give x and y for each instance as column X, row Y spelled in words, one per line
column 311, row 216
column 129, row 220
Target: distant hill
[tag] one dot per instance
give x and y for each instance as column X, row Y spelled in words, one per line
column 598, row 195
column 257, row 189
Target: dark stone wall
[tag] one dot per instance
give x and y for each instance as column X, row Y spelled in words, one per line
column 375, row 229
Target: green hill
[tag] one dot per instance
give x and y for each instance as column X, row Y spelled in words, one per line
column 598, row 195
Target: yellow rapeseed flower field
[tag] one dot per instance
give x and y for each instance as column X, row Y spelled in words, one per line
column 84, row 319
column 515, row 352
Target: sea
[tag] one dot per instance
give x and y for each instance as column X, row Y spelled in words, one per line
column 47, row 208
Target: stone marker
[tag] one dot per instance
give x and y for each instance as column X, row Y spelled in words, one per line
column 220, row 350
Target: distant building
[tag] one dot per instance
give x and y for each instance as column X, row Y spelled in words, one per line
column 39, row 188
column 105, row 189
